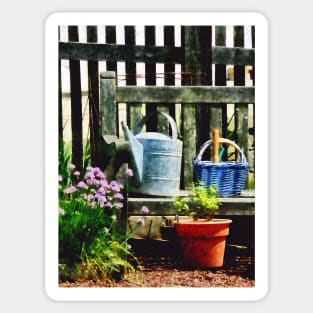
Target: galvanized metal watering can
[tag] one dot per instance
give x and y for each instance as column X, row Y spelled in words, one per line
column 155, row 159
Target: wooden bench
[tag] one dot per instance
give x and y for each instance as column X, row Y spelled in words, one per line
column 161, row 208
column 239, row 209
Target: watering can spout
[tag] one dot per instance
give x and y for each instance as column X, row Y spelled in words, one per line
column 136, row 153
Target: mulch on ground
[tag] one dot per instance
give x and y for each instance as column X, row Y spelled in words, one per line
column 156, row 270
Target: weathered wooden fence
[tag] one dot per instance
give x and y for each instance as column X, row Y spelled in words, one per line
column 201, row 102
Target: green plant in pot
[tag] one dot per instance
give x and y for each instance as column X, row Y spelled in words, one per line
column 201, row 236
column 202, row 203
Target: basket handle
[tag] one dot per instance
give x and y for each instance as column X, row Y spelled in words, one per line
column 171, row 121
column 221, row 140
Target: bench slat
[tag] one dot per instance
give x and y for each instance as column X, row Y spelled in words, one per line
column 242, row 205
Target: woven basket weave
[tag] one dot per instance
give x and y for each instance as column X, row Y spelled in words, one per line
column 229, row 177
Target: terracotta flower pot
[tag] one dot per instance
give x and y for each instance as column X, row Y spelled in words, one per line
column 202, row 241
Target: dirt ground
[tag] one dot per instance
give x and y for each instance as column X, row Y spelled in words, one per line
column 169, row 271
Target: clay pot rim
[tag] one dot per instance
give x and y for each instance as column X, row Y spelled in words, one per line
column 204, row 221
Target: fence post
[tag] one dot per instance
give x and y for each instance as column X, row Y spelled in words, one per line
column 110, row 34
column 169, row 79
column 108, row 122
column 197, row 69
column 150, row 79
column 218, row 115
column 61, row 141
column 93, row 97
column 76, row 105
column 218, row 111
column 134, row 113
column 241, row 109
column 188, row 112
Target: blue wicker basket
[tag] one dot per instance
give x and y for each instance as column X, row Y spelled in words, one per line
column 229, row 177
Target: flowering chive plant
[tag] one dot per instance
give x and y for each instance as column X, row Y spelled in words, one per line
column 90, row 235
column 95, row 190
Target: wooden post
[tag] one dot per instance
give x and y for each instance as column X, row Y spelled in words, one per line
column 93, row 96
column 76, row 105
column 61, row 142
column 218, row 113
column 169, row 69
column 188, row 110
column 196, row 42
column 169, row 79
column 134, row 114
column 241, row 109
column 107, row 104
column 110, row 37
column 150, row 79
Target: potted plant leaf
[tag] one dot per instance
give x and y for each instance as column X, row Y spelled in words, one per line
column 201, row 236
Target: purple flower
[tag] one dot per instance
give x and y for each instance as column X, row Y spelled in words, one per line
column 60, row 178
column 82, row 185
column 89, row 175
column 88, row 197
column 72, row 166
column 114, row 186
column 100, row 175
column 119, row 205
column 129, row 172
column 100, row 197
column 119, row 196
column 144, row 210
column 93, row 181
column 108, row 204
column 101, row 203
column 96, row 170
column 104, row 183
column 101, row 190
column 140, row 221
column 76, row 173
column 70, row 189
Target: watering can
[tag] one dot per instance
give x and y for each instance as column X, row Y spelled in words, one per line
column 155, row 159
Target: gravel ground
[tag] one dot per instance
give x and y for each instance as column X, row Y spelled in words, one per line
column 169, row 271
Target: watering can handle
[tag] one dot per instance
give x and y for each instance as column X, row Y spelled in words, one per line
column 172, row 122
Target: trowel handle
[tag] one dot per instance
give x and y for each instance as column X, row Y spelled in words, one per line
column 216, row 144
column 171, row 121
